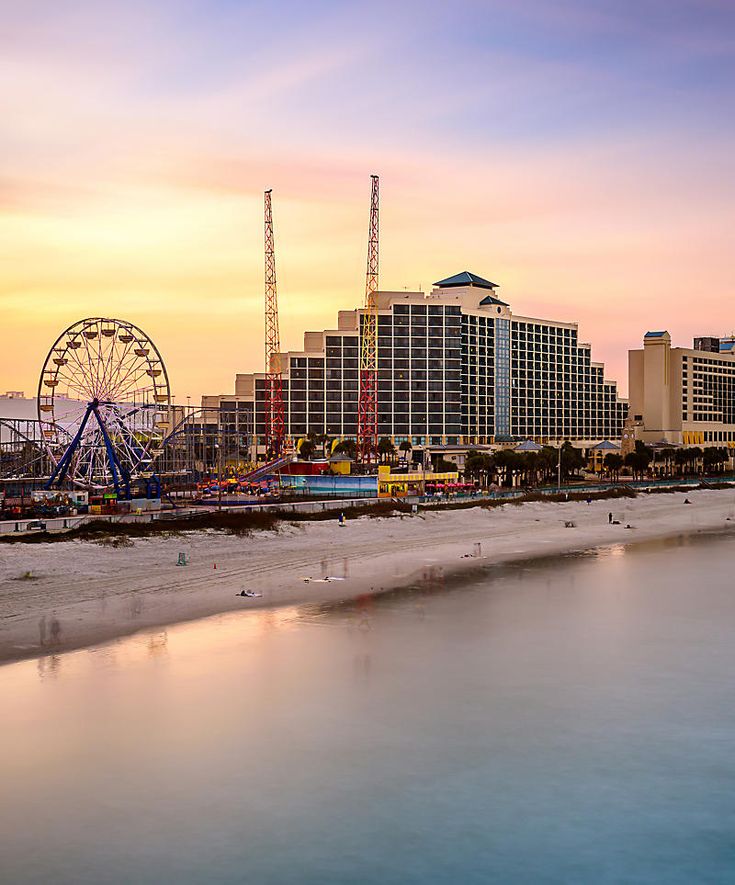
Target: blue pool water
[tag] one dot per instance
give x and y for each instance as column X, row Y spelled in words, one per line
column 562, row 721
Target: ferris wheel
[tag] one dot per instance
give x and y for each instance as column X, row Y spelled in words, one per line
column 103, row 386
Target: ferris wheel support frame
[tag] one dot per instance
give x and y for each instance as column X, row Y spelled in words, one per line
column 116, row 468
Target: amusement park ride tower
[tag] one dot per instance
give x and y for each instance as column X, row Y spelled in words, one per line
column 367, row 415
column 274, row 410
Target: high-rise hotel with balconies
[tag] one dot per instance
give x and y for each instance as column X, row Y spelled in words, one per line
column 455, row 366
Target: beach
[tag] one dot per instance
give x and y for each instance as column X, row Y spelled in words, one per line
column 71, row 594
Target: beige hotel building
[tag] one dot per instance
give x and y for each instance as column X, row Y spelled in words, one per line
column 680, row 395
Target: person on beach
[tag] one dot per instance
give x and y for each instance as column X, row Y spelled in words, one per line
column 609, row 518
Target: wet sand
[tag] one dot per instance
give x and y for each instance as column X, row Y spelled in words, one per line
column 81, row 593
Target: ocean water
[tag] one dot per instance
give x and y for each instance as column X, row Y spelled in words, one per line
column 565, row 720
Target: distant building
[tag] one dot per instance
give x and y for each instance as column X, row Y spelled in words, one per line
column 707, row 344
column 14, row 404
column 711, row 344
column 455, row 367
column 682, row 396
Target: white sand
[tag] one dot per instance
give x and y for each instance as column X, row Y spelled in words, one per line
column 96, row 592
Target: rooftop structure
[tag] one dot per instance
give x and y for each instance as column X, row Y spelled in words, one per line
column 465, row 279
column 713, row 344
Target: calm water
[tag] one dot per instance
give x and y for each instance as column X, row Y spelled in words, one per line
column 568, row 721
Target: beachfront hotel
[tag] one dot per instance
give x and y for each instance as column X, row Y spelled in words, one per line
column 456, row 366
column 680, row 395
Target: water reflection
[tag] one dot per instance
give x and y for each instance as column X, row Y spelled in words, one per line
column 158, row 643
column 135, row 606
column 49, row 665
column 553, row 720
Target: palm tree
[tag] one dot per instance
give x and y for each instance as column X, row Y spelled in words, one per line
column 548, row 460
column 681, row 456
column 386, row 449
column 695, row 455
column 637, row 463
column 406, row 447
column 714, row 457
column 667, row 456
column 346, row 447
column 572, row 459
column 645, row 456
column 319, row 439
column 509, row 463
column 532, row 464
column 479, row 466
column 613, row 462
column 306, row 450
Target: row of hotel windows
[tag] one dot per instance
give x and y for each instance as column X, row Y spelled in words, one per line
column 584, row 379
column 400, row 390
column 418, row 310
column 587, row 394
column 707, row 417
column 473, row 329
column 453, row 398
column 403, row 348
column 719, row 364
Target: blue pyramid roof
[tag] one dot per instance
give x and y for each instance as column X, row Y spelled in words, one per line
column 491, row 299
column 529, row 446
column 466, row 279
column 606, row 446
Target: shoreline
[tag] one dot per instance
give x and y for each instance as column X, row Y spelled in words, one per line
column 82, row 593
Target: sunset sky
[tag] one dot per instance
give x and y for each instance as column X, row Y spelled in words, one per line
column 578, row 153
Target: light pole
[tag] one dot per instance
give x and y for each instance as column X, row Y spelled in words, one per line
column 218, row 446
column 558, row 472
column 189, row 444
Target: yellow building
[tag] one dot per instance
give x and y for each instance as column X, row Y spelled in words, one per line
column 340, row 464
column 397, row 485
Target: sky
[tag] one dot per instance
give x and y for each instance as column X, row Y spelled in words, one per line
column 576, row 152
